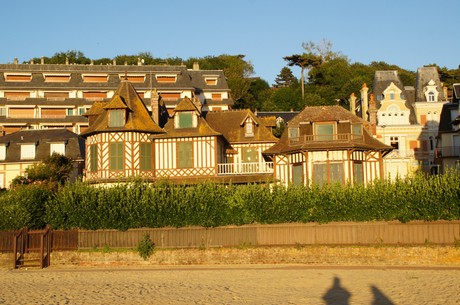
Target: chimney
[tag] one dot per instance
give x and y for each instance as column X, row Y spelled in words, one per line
column 91, row 63
column 15, row 61
column 139, row 62
column 42, row 60
column 196, row 66
column 31, row 61
column 364, row 101
column 353, row 103
column 114, row 62
column 373, row 115
column 197, row 103
column 154, row 103
column 66, row 60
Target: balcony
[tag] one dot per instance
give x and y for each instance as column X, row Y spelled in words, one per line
column 448, row 151
column 400, row 153
column 245, row 168
column 337, row 137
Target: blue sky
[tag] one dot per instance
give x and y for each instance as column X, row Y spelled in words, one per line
column 407, row 33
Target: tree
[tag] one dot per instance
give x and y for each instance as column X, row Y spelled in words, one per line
column 304, row 61
column 285, row 78
column 56, row 169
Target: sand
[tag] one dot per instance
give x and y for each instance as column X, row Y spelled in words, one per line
column 319, row 275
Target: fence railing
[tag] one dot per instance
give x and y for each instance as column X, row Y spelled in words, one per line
column 340, row 233
column 244, row 168
column 336, row 137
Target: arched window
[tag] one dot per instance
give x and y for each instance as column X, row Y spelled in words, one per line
column 431, row 96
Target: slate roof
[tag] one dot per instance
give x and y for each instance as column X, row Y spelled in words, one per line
column 75, row 147
column 230, row 124
column 76, row 81
column 285, row 115
column 138, row 117
column 445, row 119
column 456, row 92
column 325, row 114
column 424, row 75
column 383, row 79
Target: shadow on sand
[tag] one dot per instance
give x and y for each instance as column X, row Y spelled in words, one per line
column 337, row 295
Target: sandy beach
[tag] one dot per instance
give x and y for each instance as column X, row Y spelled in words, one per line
column 319, row 275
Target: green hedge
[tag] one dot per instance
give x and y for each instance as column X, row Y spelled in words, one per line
column 138, row 204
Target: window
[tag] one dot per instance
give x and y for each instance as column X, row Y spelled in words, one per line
column 93, row 158
column 431, row 143
column 82, row 110
column 2, row 151
column 293, row 133
column 27, row 151
column 216, row 96
column 145, row 156
column 325, row 132
column 56, row 78
column 166, row 78
column 116, row 156
column 357, row 129
column 185, row 120
column 392, row 95
column 297, row 174
column 211, row 81
column 249, row 129
column 57, row 148
column 319, row 173
column 116, row 118
column 336, row 173
column 170, row 96
column 87, row 78
column 431, row 96
column 358, row 174
column 250, row 155
column 134, row 78
column 18, row 77
column 394, row 142
column 70, row 111
column 184, row 155
column 2, row 111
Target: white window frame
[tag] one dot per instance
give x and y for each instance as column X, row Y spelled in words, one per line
column 58, row 147
column 2, row 152
column 28, row 151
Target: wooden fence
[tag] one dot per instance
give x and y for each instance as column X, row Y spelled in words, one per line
column 341, row 233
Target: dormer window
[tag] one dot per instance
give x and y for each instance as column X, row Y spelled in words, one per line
column 166, row 78
column 185, row 120
column 431, row 96
column 116, row 118
column 249, row 129
column 58, row 148
column 56, row 78
column 28, row 151
column 357, row 129
column 324, row 132
column 293, row 132
column 431, row 92
column 2, row 152
column 392, row 95
column 211, row 80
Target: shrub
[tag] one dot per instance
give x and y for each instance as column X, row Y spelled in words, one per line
column 146, row 247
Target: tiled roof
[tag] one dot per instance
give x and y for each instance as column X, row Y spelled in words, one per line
column 202, row 129
column 230, row 124
column 325, row 114
column 75, row 147
column 138, row 117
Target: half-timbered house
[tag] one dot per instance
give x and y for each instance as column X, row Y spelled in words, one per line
column 327, row 144
column 248, row 136
column 118, row 140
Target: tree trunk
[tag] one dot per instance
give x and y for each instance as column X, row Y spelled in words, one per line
column 302, row 81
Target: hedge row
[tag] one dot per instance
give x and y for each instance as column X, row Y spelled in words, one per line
column 138, row 204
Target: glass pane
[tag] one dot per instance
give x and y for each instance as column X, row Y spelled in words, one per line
column 358, row 175
column 250, row 154
column 186, row 120
column 145, row 153
column 336, row 172
column 293, row 133
column 116, row 156
column 357, row 129
column 184, row 155
column 325, row 132
column 319, row 173
column 93, row 156
column 297, row 174
column 116, row 118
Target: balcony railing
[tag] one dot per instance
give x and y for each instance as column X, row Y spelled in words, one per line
column 401, row 153
column 337, row 137
column 244, row 168
column 448, row 151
